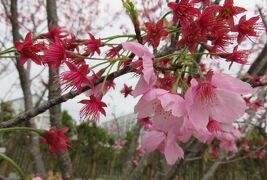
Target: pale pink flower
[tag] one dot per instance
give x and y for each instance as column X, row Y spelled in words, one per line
column 148, row 79
column 217, row 96
column 165, row 142
column 166, row 111
column 162, row 102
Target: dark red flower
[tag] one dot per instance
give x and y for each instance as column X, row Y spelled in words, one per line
column 127, row 90
column 246, row 28
column 113, row 52
column 208, row 19
column 29, row 50
column 92, row 108
column 56, row 140
column 55, row 32
column 238, row 56
column 191, row 36
column 228, row 11
column 219, row 37
column 183, row 12
column 76, row 77
column 93, row 45
column 155, row 32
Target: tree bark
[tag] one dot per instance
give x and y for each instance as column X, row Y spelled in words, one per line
column 38, row 165
column 55, row 91
column 259, row 66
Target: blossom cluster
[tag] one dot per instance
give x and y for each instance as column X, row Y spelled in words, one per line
column 180, row 99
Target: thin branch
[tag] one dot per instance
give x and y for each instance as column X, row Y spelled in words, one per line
column 46, row 105
column 263, row 19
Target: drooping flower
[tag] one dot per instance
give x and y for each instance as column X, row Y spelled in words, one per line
column 56, row 140
column 155, row 32
column 238, row 56
column 28, row 49
column 75, row 77
column 246, row 28
column 127, row 90
column 55, row 54
column 220, row 37
column 92, row 45
column 93, row 108
column 148, row 78
column 217, row 96
column 183, row 12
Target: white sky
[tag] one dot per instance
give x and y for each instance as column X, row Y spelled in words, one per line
column 117, row 104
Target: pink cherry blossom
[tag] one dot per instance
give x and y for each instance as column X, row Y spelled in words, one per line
column 217, row 96
column 166, row 111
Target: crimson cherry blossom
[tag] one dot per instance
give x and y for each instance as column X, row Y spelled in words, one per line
column 155, row 32
column 29, row 49
column 92, row 108
column 56, row 140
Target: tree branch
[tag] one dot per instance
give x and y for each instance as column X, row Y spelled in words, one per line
column 25, row 116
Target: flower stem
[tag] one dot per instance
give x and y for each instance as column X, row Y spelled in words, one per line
column 9, row 56
column 37, row 131
column 14, row 165
column 7, row 51
column 119, row 36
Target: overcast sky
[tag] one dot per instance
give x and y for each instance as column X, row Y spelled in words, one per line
column 117, row 104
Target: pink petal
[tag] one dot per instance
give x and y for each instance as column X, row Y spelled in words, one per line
column 141, row 87
column 145, row 108
column 152, row 140
column 173, row 103
column 137, row 49
column 199, row 116
column 229, row 107
column 172, row 151
column 148, row 71
column 229, row 83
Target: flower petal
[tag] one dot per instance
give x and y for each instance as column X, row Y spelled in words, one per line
column 152, row 140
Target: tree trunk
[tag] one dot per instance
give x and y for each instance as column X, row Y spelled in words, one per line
column 38, row 165
column 54, row 91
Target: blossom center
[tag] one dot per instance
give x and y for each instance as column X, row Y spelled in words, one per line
column 205, row 92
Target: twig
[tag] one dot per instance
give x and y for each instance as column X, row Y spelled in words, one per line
column 25, row 116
